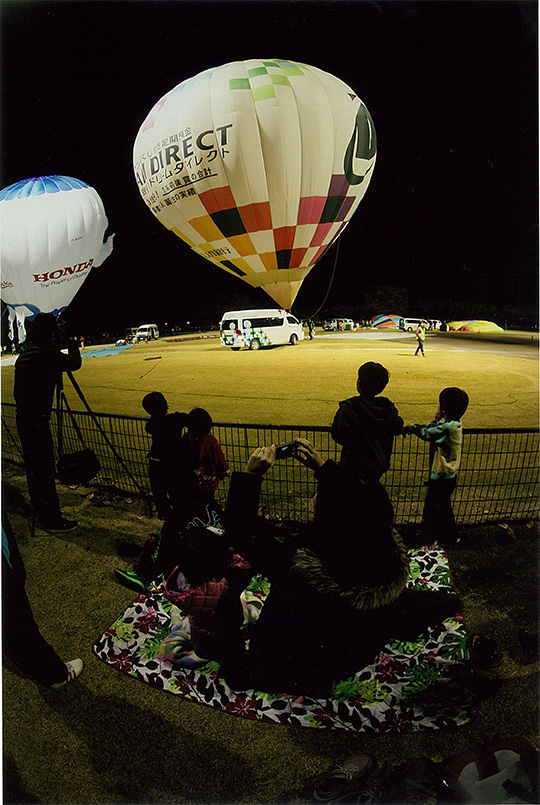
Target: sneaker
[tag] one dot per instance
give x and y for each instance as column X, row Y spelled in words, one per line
column 60, row 527
column 131, row 579
column 483, row 652
column 74, row 670
column 342, row 779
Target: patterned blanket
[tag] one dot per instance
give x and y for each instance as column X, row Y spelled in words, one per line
column 409, row 687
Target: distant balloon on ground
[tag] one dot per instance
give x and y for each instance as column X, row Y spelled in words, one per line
column 258, row 166
column 51, row 235
column 474, row 326
column 384, row 322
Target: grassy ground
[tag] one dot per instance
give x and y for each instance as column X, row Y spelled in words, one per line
column 303, row 385
column 110, row 739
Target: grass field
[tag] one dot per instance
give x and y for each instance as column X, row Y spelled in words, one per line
column 303, row 385
column 110, row 739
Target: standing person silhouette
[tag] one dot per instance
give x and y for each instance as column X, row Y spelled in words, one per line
column 38, row 370
column 420, row 338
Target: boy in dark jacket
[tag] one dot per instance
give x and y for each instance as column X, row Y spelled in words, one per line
column 171, row 466
column 366, row 425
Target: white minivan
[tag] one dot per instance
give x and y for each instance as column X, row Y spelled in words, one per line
column 259, row 328
column 410, row 325
column 147, row 332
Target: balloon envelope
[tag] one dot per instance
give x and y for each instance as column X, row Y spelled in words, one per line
column 51, row 235
column 383, row 322
column 258, row 166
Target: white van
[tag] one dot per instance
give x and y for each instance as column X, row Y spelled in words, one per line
column 147, row 332
column 410, row 325
column 259, row 328
column 333, row 324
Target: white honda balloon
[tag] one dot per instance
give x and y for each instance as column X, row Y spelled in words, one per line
column 51, row 236
column 258, row 166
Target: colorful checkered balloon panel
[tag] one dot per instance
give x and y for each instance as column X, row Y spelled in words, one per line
column 52, row 230
column 258, row 166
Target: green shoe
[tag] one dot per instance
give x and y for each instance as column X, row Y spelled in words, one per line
column 131, row 579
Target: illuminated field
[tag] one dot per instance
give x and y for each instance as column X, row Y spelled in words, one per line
column 304, row 384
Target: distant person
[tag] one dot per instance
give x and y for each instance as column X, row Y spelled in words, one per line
column 211, row 464
column 22, row 641
column 420, row 338
column 446, row 433
column 311, row 329
column 82, row 341
column 171, row 467
column 38, row 371
column 366, row 425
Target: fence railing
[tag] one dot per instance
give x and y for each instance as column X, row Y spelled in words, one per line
column 498, row 478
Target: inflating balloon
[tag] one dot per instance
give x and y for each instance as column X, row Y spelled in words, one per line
column 258, row 166
column 51, row 235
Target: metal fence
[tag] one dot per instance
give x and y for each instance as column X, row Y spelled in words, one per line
column 498, row 478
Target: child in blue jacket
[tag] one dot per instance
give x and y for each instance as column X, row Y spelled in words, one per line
column 445, row 433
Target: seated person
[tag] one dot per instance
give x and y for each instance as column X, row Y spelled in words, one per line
column 206, row 586
column 337, row 593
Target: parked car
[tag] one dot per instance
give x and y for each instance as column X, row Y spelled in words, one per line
column 146, row 332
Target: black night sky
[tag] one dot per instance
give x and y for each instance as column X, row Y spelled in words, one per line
column 451, row 214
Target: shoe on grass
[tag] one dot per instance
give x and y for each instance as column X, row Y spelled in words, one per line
column 342, row 779
column 484, row 652
column 60, row 526
column 131, row 579
column 75, row 668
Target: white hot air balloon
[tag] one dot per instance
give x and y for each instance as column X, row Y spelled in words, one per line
column 51, row 236
column 258, row 166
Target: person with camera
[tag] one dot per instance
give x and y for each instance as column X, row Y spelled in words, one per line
column 38, row 370
column 337, row 585
column 332, row 587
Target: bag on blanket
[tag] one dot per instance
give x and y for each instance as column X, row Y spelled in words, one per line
column 503, row 771
column 200, row 602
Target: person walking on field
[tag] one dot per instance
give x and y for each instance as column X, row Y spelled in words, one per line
column 421, row 337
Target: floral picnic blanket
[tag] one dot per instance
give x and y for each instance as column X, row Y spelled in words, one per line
column 409, row 687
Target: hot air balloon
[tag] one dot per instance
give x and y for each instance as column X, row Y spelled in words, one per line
column 258, row 166
column 51, row 236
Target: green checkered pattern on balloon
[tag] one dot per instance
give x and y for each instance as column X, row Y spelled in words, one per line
column 262, row 91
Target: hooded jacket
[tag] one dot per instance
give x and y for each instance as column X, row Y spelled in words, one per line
column 351, row 557
column 202, row 602
column 330, row 586
column 366, row 427
column 447, row 435
column 166, row 432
